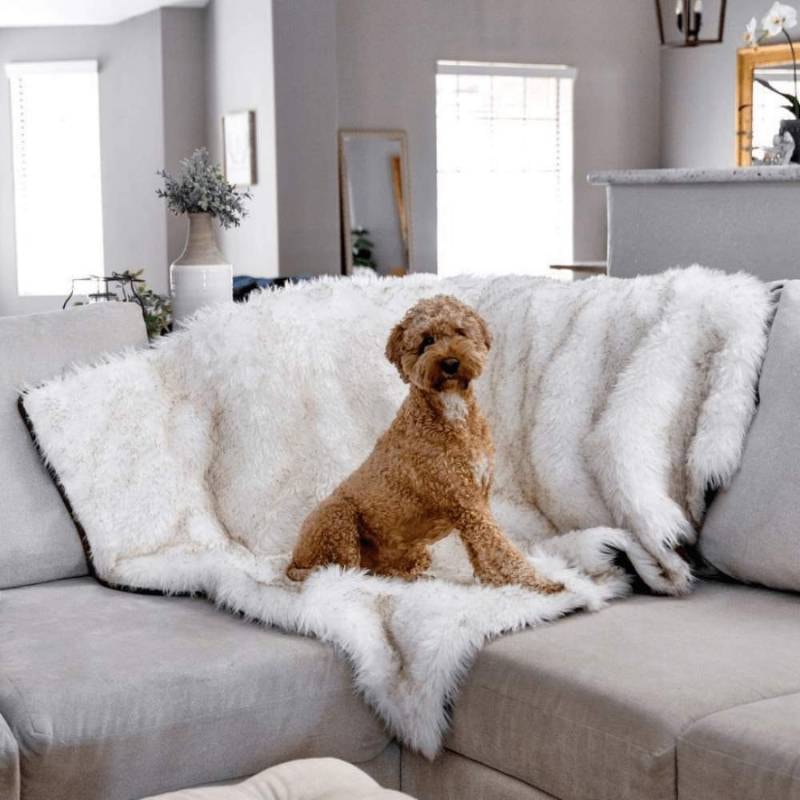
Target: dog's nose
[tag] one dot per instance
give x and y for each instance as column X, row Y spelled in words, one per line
column 450, row 365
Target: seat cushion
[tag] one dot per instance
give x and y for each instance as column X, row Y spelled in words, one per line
column 38, row 541
column 593, row 706
column 304, row 779
column 747, row 751
column 118, row 695
column 751, row 531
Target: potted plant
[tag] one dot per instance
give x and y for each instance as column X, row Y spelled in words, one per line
column 776, row 22
column 201, row 275
column 362, row 247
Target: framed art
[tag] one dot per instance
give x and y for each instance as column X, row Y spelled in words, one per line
column 239, row 147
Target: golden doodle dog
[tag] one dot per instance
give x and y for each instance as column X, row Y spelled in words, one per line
column 430, row 473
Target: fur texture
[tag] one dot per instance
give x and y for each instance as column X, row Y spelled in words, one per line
column 613, row 406
column 430, row 473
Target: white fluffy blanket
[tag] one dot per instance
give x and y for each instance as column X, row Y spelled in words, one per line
column 614, row 406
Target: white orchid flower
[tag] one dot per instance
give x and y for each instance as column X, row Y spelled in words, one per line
column 750, row 35
column 779, row 18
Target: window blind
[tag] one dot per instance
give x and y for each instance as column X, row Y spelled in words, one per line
column 55, row 121
column 504, row 167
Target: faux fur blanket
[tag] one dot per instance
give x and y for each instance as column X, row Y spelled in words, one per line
column 614, row 405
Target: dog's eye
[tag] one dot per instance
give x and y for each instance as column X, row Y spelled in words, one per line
column 426, row 343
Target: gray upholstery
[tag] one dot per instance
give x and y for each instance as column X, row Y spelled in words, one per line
column 751, row 531
column 592, row 706
column 747, row 751
column 9, row 763
column 453, row 777
column 39, row 539
column 113, row 695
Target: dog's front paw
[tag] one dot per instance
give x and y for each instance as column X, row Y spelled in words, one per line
column 543, row 585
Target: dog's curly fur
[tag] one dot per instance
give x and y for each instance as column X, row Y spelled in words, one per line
column 430, row 473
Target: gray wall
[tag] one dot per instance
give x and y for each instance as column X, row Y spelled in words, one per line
column 183, row 56
column 151, row 113
column 239, row 77
column 698, row 95
column 385, row 59
column 306, row 113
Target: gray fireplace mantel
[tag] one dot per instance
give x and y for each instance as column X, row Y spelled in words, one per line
column 745, row 218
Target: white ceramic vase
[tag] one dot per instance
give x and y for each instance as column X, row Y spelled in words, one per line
column 200, row 276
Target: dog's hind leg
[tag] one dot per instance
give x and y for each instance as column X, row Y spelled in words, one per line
column 329, row 536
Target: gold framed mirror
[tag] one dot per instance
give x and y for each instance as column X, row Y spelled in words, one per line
column 375, row 201
column 758, row 110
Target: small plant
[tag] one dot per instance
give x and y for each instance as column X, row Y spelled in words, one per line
column 777, row 21
column 362, row 248
column 201, row 188
column 156, row 309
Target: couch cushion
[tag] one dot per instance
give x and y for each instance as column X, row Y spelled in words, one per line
column 38, row 541
column 304, row 779
column 113, row 695
column 752, row 529
column 592, row 706
column 747, row 751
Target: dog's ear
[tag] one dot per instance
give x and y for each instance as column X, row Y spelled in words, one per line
column 394, row 349
column 485, row 332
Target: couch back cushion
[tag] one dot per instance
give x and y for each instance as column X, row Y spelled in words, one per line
column 38, row 540
column 752, row 529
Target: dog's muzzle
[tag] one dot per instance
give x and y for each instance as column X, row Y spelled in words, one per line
column 449, row 365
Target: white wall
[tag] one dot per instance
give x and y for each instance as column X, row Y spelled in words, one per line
column 385, row 59
column 239, row 77
column 698, row 95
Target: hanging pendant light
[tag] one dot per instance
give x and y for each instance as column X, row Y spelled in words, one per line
column 683, row 23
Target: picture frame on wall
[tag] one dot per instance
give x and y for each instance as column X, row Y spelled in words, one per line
column 239, row 148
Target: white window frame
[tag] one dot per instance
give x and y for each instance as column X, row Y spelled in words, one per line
column 29, row 301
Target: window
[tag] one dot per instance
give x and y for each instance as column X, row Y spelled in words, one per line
column 55, row 121
column 504, row 167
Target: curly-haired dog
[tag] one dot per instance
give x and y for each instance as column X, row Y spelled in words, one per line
column 430, row 473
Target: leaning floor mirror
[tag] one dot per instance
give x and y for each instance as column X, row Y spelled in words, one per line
column 376, row 216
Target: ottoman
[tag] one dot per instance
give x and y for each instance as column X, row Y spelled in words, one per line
column 304, row 779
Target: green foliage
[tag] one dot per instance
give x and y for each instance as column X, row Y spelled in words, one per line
column 156, row 308
column 362, row 248
column 794, row 106
column 201, row 188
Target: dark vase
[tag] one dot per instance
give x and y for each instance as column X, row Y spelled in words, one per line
column 793, row 126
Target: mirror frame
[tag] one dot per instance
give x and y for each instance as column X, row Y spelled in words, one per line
column 344, row 199
column 748, row 59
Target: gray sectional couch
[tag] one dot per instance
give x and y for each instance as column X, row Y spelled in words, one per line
column 108, row 695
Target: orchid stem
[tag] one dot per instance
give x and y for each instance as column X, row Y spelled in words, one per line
column 794, row 72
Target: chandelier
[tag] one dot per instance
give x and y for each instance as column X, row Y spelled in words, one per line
column 688, row 23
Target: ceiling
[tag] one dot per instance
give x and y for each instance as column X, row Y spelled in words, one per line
column 16, row 13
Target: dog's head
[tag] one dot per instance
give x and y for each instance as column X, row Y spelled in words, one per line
column 439, row 345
